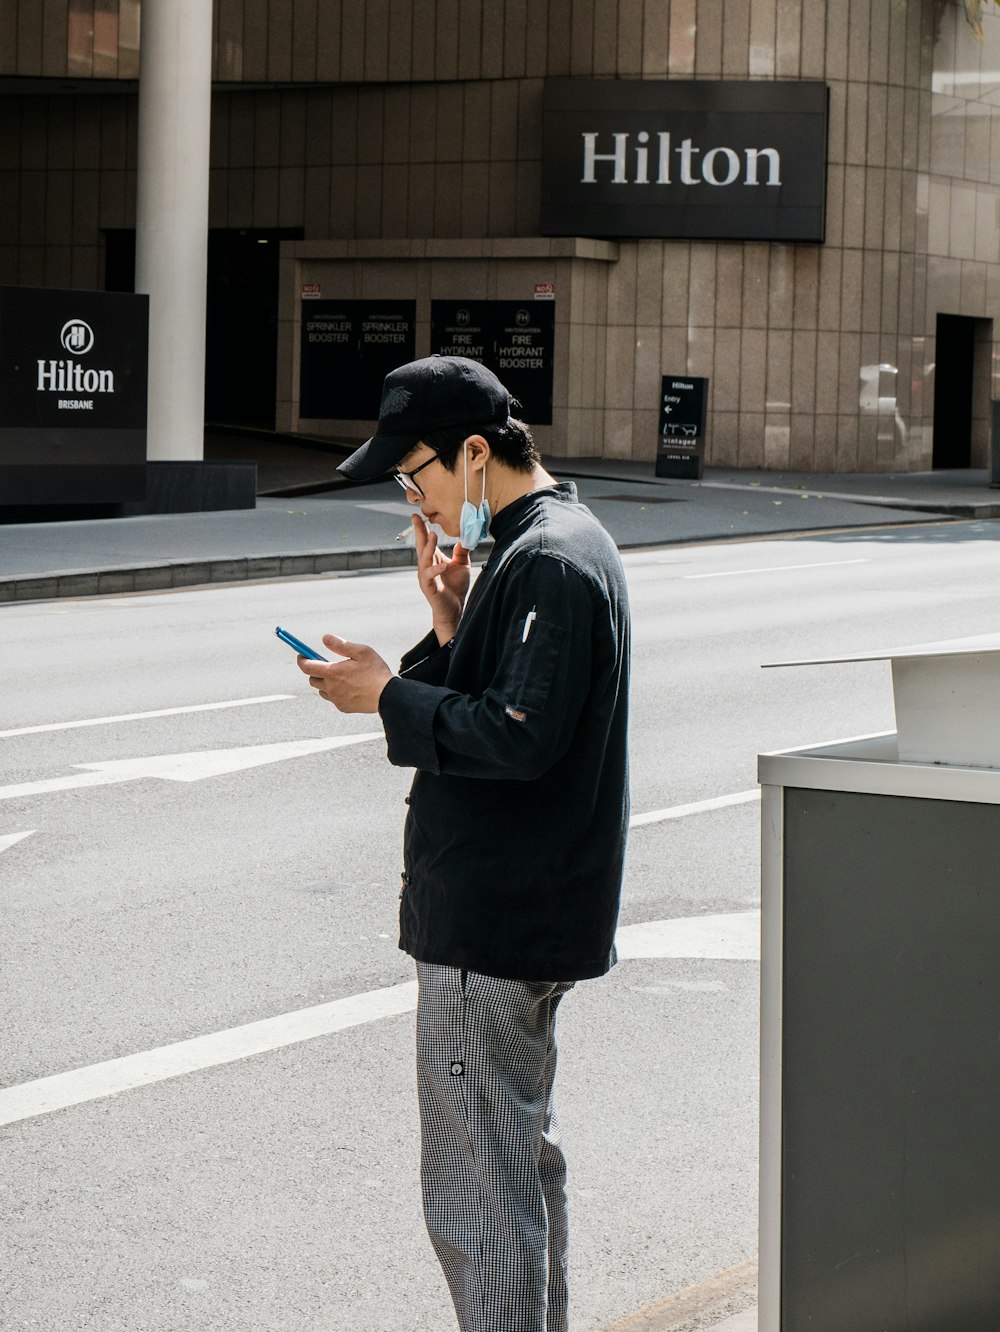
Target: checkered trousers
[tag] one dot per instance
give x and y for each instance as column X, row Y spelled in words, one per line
column 493, row 1174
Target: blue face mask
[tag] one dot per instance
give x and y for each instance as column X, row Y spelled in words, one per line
column 473, row 523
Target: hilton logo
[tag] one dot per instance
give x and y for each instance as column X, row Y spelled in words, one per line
column 718, row 166
column 77, row 336
column 69, row 376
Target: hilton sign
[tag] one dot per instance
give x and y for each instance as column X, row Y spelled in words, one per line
column 72, row 396
column 694, row 160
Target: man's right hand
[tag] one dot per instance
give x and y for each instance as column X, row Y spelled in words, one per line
column 444, row 582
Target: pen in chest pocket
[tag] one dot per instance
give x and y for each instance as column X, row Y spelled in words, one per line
column 529, row 620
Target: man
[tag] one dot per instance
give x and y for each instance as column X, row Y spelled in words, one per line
column 513, row 710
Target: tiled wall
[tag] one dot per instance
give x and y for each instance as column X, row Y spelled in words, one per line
column 441, row 160
column 792, row 336
column 425, row 271
column 403, row 41
column 428, row 160
column 70, row 38
column 959, row 205
column 67, row 170
column 434, row 131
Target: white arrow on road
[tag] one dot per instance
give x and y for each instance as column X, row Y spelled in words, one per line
column 185, row 767
column 733, row 937
column 729, row 937
column 11, row 839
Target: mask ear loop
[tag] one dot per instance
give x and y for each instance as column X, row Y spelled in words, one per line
column 465, row 474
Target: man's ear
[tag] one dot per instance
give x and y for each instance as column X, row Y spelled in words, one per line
column 479, row 452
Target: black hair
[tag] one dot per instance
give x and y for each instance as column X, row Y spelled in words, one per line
column 510, row 443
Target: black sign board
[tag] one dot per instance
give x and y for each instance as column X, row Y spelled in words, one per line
column 516, row 339
column 681, row 447
column 348, row 348
column 702, row 160
column 72, row 396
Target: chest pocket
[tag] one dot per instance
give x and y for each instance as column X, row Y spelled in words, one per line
column 530, row 666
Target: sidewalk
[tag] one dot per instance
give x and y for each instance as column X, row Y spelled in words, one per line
column 725, row 1302
column 743, row 1322
column 355, row 527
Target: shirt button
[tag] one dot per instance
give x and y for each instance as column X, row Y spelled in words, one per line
column 406, row 800
column 457, row 1068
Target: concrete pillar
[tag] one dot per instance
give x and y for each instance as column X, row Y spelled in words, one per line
column 171, row 261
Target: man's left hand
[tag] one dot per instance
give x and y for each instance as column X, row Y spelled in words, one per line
column 353, row 685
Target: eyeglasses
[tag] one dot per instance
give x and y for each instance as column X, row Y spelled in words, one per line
column 406, row 480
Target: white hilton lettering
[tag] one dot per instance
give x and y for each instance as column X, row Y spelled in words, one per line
column 719, row 166
column 71, row 377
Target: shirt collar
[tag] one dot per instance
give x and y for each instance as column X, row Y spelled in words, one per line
column 521, row 510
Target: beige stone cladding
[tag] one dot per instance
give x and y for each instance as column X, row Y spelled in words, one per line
column 378, row 120
column 821, row 357
column 425, row 271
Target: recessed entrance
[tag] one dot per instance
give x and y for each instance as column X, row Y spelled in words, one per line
column 241, row 349
column 962, row 391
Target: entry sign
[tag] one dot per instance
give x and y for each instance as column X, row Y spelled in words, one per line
column 681, row 447
column 73, row 373
column 348, row 348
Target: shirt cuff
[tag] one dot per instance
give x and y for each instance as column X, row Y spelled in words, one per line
column 407, row 709
column 427, row 661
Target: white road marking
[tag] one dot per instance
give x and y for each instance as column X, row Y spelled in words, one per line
column 734, row 937
column 185, row 767
column 774, row 568
column 141, row 716
column 44, row 1095
column 12, row 839
column 729, row 938
column 61, row 784
column 699, row 807
column 197, row 766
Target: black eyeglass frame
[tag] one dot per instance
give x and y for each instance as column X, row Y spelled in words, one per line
column 406, row 480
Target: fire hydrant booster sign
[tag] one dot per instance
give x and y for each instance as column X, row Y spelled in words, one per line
column 73, row 378
column 514, row 339
column 679, row 159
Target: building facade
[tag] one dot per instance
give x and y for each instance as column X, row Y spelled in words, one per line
column 391, row 152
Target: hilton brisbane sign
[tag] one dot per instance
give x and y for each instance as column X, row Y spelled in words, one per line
column 698, row 160
column 72, row 396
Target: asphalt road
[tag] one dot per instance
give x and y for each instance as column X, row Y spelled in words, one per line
column 195, row 896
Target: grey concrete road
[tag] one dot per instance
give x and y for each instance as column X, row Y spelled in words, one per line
column 152, row 905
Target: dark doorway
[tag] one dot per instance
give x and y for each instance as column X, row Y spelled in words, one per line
column 242, row 346
column 954, row 372
column 242, row 320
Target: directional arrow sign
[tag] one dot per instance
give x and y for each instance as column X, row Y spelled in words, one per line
column 185, row 767
column 11, row 839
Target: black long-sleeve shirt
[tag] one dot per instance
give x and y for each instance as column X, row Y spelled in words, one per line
column 515, row 836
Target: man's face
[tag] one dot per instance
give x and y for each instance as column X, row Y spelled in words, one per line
column 438, row 492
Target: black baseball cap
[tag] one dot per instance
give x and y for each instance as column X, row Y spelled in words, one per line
column 436, row 393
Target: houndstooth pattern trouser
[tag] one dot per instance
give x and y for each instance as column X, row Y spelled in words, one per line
column 493, row 1174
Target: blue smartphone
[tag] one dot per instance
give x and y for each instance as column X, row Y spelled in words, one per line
column 299, row 646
